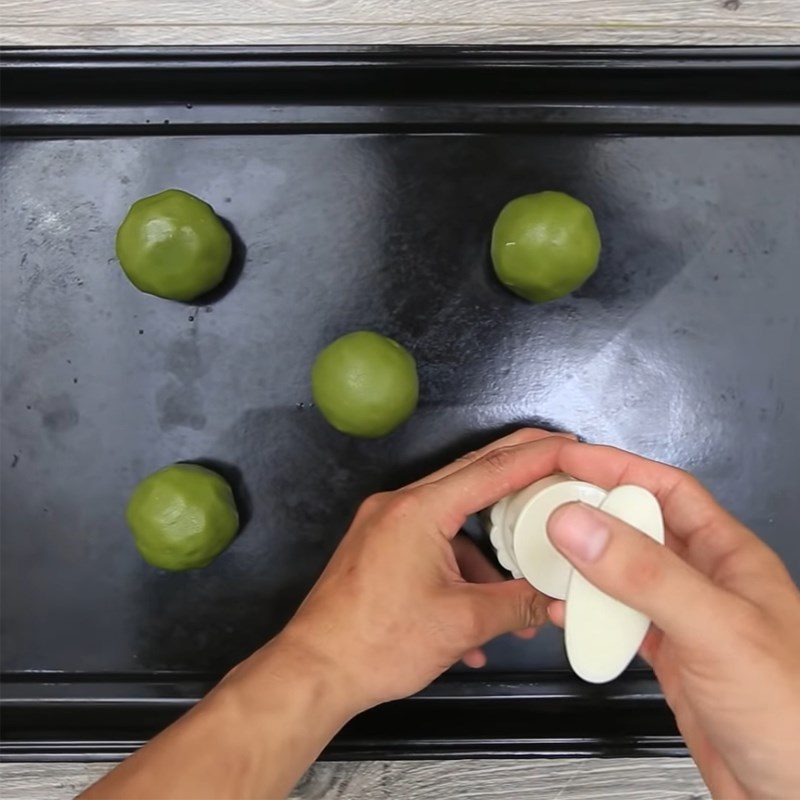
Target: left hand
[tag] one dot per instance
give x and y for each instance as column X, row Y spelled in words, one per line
column 395, row 607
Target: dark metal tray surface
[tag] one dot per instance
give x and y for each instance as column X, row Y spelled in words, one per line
column 362, row 185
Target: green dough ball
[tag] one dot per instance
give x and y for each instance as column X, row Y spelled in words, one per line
column 365, row 384
column 545, row 245
column 173, row 245
column 182, row 517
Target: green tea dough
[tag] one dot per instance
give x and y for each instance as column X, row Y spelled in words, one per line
column 182, row 517
column 545, row 245
column 173, row 245
column 365, row 384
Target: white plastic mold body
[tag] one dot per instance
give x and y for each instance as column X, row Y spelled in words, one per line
column 602, row 635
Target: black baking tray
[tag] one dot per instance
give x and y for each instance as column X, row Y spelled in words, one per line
column 361, row 185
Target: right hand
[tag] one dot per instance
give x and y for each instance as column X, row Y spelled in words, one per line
column 725, row 640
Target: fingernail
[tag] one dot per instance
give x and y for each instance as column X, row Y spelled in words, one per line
column 578, row 530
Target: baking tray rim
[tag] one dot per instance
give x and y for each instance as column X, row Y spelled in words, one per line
column 72, row 737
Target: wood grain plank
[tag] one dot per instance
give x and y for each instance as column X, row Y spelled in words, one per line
column 439, row 13
column 75, row 35
column 613, row 22
column 529, row 779
column 573, row 779
column 47, row 781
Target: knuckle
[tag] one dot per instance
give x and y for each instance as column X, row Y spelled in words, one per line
column 684, row 481
column 403, row 504
column 534, row 611
column 748, row 565
column 373, row 504
column 498, row 461
column 530, row 608
column 748, row 629
column 468, row 458
column 729, row 566
column 684, row 477
column 525, row 610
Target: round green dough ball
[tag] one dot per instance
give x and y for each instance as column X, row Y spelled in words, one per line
column 545, row 245
column 365, row 384
column 182, row 517
column 173, row 245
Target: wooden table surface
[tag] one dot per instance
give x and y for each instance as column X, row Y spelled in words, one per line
column 606, row 22
column 546, row 779
column 99, row 22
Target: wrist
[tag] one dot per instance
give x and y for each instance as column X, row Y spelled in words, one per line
column 278, row 710
column 301, row 675
column 333, row 656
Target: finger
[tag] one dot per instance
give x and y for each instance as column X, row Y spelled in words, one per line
column 683, row 498
column 474, row 658
column 650, row 644
column 476, row 568
column 630, row 566
column 691, row 513
column 678, row 546
column 472, row 563
column 521, row 436
column 710, row 538
column 498, row 608
column 709, row 534
column 493, row 476
column 557, row 612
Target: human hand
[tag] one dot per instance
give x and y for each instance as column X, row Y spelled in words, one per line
column 725, row 643
column 402, row 599
column 393, row 609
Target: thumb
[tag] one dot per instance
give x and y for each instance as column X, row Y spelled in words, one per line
column 505, row 606
column 628, row 565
